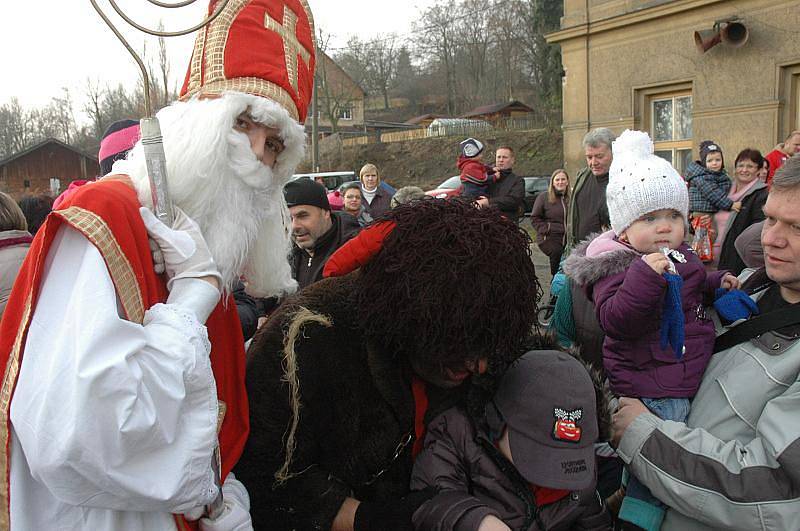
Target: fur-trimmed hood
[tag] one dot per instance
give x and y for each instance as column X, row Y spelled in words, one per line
column 599, row 256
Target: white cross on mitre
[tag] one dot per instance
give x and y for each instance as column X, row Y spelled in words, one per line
column 291, row 46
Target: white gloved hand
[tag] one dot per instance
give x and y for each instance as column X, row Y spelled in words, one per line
column 236, row 515
column 183, row 248
column 158, row 256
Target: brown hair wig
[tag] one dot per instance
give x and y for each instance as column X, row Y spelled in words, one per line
column 452, row 283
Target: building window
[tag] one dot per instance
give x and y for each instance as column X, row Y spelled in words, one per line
column 671, row 128
column 26, row 183
column 346, row 113
column 790, row 95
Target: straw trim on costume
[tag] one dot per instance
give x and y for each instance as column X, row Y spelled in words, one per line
column 214, row 54
column 256, row 87
column 9, row 381
column 196, row 64
column 122, row 275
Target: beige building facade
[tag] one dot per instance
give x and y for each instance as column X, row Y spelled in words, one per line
column 635, row 64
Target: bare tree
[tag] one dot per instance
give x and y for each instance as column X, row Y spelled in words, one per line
column 474, row 39
column 93, row 106
column 164, row 67
column 381, row 54
column 16, row 132
column 336, row 95
column 507, row 27
column 60, row 111
column 542, row 61
column 436, row 39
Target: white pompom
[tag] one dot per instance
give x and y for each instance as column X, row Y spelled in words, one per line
column 633, row 143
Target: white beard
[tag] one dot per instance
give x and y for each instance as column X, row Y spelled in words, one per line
column 216, row 179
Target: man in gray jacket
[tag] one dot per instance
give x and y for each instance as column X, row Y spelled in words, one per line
column 735, row 463
column 588, row 212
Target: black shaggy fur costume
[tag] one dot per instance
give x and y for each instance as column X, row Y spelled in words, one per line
column 329, row 378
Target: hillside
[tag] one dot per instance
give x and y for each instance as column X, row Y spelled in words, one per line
column 427, row 162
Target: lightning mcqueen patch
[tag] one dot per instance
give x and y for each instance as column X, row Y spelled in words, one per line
column 565, row 428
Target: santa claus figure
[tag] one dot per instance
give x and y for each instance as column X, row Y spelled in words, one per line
column 123, row 396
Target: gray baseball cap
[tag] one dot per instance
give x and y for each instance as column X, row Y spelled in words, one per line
column 547, row 400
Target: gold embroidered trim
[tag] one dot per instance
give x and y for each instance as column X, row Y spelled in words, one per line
column 256, row 87
column 209, row 51
column 120, row 269
column 222, row 408
column 217, row 39
column 10, row 378
column 196, row 66
column 287, row 29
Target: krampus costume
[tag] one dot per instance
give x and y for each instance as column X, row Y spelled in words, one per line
column 346, row 374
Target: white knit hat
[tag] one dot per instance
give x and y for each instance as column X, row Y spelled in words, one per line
column 471, row 147
column 640, row 182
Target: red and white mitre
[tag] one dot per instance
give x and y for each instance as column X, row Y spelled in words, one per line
column 260, row 47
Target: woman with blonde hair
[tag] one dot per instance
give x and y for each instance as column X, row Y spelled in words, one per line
column 549, row 218
column 14, row 243
column 377, row 199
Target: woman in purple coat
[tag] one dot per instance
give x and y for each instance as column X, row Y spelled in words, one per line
column 626, row 273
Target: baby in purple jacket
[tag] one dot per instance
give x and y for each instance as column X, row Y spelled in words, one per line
column 624, row 273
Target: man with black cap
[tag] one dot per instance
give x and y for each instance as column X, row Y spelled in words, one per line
column 528, row 463
column 316, row 231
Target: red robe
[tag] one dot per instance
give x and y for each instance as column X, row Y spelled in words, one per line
column 107, row 214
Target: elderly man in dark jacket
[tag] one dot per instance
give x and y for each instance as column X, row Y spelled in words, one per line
column 345, row 376
column 316, row 231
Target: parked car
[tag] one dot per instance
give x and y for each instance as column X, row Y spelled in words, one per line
column 451, row 187
column 331, row 179
column 534, row 186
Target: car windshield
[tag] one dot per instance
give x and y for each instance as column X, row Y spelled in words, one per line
column 451, row 183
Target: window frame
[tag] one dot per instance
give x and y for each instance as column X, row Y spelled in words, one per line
column 789, row 86
column 644, row 95
column 346, row 112
column 675, row 146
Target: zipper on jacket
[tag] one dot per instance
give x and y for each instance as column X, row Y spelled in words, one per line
column 518, row 482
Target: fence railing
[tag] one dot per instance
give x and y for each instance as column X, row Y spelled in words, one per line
column 468, row 128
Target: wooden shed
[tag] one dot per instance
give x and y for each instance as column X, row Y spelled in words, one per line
column 46, row 168
column 499, row 111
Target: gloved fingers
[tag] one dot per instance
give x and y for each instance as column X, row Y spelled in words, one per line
column 233, row 518
column 184, row 222
column 167, row 238
column 195, row 513
column 158, row 256
column 235, row 489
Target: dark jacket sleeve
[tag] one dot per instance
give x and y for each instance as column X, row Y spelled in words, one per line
column 311, row 497
column 712, row 193
column 247, row 307
column 512, row 199
column 538, row 219
column 626, row 303
column 441, row 465
column 595, row 516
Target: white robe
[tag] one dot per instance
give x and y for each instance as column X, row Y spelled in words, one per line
column 114, row 423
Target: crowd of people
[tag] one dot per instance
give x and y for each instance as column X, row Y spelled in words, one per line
column 270, row 362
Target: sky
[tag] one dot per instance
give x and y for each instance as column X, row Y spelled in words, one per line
column 50, row 44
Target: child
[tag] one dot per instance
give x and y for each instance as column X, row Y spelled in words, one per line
column 528, row 463
column 623, row 271
column 709, row 185
column 473, row 172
